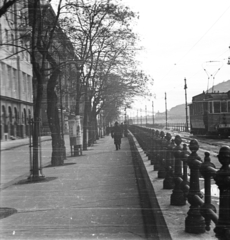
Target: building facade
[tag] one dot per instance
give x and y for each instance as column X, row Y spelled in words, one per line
column 16, row 92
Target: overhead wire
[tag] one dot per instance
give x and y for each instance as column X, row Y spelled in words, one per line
column 205, row 33
column 197, row 41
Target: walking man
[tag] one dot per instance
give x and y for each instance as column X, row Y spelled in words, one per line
column 117, row 135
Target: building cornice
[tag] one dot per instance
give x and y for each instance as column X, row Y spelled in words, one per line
column 14, row 100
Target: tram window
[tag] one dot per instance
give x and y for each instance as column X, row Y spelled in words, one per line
column 205, row 106
column 210, row 107
column 228, row 106
column 223, row 106
column 216, row 107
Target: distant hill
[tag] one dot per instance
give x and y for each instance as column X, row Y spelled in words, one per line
column 177, row 113
column 221, row 87
column 178, row 110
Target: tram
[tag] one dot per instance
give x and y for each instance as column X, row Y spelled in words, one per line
column 210, row 114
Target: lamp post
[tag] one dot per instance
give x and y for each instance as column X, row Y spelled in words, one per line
column 186, row 105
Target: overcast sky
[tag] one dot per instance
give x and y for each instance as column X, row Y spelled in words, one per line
column 181, row 39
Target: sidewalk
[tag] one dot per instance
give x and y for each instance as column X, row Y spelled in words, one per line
column 94, row 196
column 15, row 159
column 6, row 145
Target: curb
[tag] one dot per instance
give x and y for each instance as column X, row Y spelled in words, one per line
column 21, row 145
column 161, row 225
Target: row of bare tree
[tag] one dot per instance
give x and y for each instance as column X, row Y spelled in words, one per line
column 94, row 43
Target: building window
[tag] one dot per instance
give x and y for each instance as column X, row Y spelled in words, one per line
column 22, row 50
column 216, row 107
column 14, row 82
column 12, row 41
column 1, row 80
column 210, row 107
column 24, row 83
column 9, row 80
column 229, row 106
column 0, row 33
column 224, row 106
column 4, row 78
column 7, row 39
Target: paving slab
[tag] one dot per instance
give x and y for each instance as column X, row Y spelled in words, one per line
column 93, row 196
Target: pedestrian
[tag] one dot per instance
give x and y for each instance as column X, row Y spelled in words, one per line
column 117, row 135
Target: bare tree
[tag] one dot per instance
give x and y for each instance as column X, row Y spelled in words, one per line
column 105, row 44
column 7, row 4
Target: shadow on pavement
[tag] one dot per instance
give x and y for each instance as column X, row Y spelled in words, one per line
column 28, row 181
column 65, row 164
column 6, row 212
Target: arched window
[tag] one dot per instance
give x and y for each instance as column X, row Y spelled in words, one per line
column 4, row 115
column 25, row 116
column 10, row 115
column 16, row 115
column 29, row 114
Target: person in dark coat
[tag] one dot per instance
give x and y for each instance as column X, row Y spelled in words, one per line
column 117, row 135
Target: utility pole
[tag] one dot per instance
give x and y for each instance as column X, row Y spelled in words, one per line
column 153, row 111
column 186, row 105
column 166, row 117
column 146, row 115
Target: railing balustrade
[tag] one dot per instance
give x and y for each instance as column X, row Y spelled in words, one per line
column 171, row 160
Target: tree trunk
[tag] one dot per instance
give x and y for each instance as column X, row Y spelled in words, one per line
column 54, row 123
column 36, row 127
column 85, row 119
column 93, row 125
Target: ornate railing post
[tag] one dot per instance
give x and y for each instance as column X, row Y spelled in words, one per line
column 194, row 222
column 149, row 142
column 222, row 179
column 152, row 147
column 185, row 183
column 168, row 182
column 163, row 145
column 207, row 170
column 157, row 151
column 177, row 196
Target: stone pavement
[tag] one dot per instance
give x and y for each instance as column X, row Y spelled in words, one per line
column 93, row 196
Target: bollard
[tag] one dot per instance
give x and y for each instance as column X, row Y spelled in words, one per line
column 222, row 179
column 152, row 146
column 185, row 183
column 157, row 151
column 168, row 182
column 208, row 210
column 177, row 196
column 194, row 222
column 163, row 145
column 149, row 142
